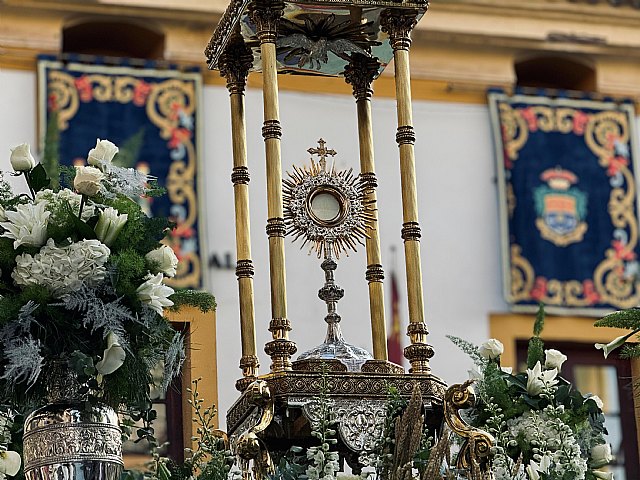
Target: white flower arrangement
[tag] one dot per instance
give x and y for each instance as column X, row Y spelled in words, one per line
column 81, row 276
column 544, row 428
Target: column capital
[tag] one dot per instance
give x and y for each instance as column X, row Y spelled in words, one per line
column 359, row 73
column 398, row 24
column 234, row 64
column 266, row 14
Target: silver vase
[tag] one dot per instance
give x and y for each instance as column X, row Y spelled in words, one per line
column 66, row 441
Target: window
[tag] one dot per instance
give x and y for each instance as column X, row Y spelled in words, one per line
column 555, row 72
column 113, row 38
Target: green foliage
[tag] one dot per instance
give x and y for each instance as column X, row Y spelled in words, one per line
column 630, row 351
column 629, row 319
column 51, row 156
column 204, row 301
column 129, row 269
column 37, row 178
column 129, row 152
column 140, row 232
column 539, row 323
column 535, row 352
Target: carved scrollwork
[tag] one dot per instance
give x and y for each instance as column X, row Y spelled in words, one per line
column 476, row 448
column 249, row 447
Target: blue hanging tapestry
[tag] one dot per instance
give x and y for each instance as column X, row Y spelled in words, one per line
column 568, row 201
column 152, row 115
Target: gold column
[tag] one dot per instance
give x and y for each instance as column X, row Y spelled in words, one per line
column 398, row 24
column 235, row 63
column 266, row 15
column 360, row 74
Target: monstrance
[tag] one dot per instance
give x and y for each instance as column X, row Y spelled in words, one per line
column 331, row 211
column 328, row 210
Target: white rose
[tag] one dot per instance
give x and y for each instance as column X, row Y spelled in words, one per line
column 9, row 463
column 165, row 260
column 554, row 359
column 154, row 293
column 113, row 356
column 21, row 158
column 601, row 455
column 508, row 370
column 27, row 225
column 598, row 400
column 102, row 155
column 491, row 349
column 87, row 181
column 109, row 225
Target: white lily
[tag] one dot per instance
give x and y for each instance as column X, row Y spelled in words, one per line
column 154, row 293
column 27, row 225
column 109, row 225
column 603, row 475
column 113, row 356
column 539, row 380
column 532, row 473
column 607, row 348
column 10, row 462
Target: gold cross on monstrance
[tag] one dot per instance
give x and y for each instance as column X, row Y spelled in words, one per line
column 322, row 152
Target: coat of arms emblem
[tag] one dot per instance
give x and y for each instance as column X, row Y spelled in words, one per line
column 561, row 207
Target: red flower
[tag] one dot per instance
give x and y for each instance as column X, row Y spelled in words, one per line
column 539, row 290
column 83, row 85
column 580, row 120
column 178, row 136
column 52, row 102
column 589, row 291
column 622, row 252
column 530, row 117
column 615, row 164
column 141, row 92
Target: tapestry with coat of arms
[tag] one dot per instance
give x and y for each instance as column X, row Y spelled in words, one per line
column 568, row 202
column 152, row 115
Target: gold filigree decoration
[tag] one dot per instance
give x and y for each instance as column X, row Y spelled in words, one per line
column 522, row 276
column 514, row 130
column 63, row 95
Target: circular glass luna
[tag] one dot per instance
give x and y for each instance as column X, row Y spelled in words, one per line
column 327, row 206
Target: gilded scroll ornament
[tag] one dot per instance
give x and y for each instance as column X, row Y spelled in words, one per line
column 477, row 445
